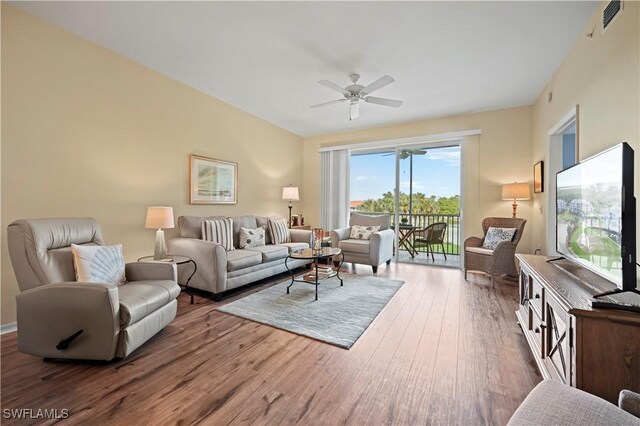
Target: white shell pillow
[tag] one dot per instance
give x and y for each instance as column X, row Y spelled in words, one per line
column 250, row 237
column 99, row 264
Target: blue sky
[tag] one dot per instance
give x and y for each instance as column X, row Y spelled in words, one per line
column 435, row 173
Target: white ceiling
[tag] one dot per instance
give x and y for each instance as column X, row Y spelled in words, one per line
column 266, row 58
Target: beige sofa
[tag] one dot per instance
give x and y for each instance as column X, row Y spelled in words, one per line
column 219, row 270
column 59, row 317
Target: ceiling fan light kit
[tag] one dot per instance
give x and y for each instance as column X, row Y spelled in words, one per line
column 355, row 93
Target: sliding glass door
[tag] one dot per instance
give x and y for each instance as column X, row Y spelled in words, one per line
column 419, row 186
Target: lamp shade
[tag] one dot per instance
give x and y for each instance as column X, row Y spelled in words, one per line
column 159, row 217
column 290, row 193
column 516, row 191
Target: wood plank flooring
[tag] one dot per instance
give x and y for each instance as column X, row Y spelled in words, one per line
column 443, row 351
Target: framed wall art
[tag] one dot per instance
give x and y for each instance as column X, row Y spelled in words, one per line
column 538, row 177
column 212, row 181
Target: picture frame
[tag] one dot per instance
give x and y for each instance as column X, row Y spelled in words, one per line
column 212, row 181
column 538, row 177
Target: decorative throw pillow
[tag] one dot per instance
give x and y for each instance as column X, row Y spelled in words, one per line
column 279, row 231
column 360, row 232
column 98, row 264
column 219, row 231
column 497, row 235
column 252, row 237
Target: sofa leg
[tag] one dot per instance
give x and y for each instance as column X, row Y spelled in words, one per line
column 389, row 262
column 375, row 269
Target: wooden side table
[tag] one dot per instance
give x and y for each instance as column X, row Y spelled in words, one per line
column 177, row 259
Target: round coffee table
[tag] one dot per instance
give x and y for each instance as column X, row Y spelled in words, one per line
column 316, row 255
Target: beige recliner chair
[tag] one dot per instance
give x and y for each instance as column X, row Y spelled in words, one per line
column 377, row 250
column 59, row 317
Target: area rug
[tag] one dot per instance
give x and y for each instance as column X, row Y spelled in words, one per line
column 339, row 316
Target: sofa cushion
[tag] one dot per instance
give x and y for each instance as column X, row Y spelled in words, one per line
column 191, row 226
column 140, row 298
column 218, row 231
column 480, row 250
column 254, row 237
column 279, row 231
column 295, row 246
column 238, row 259
column 247, row 221
column 354, row 246
column 272, row 252
column 263, row 221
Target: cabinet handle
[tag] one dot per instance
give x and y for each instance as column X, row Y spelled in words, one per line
column 537, row 330
column 536, row 296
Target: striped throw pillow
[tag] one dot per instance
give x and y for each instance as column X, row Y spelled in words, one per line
column 219, row 231
column 279, row 231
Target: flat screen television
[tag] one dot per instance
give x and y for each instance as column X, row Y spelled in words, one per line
column 596, row 216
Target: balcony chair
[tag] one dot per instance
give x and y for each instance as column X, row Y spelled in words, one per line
column 432, row 234
column 59, row 317
column 374, row 251
column 499, row 261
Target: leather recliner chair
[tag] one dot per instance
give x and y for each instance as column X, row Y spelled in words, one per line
column 59, row 317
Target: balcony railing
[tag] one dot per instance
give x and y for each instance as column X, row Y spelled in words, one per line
column 421, row 221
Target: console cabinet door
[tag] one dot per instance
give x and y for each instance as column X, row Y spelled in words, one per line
column 558, row 338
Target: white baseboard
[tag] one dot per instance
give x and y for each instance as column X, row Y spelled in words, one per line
column 8, row 328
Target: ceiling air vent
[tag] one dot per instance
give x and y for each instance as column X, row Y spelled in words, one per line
column 610, row 12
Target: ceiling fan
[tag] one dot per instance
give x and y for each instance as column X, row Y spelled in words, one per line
column 354, row 93
column 406, row 153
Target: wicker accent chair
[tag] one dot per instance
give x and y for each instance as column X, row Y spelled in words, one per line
column 432, row 234
column 500, row 261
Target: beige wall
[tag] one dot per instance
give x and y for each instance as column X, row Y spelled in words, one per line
column 87, row 132
column 602, row 76
column 501, row 154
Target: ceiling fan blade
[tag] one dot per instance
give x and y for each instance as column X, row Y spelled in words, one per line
column 328, row 103
column 355, row 111
column 378, row 84
column 418, row 152
column 335, row 87
column 383, row 101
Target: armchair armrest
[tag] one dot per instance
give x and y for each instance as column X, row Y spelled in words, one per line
column 339, row 234
column 211, row 259
column 381, row 246
column 138, row 271
column 52, row 313
column 300, row 236
column 629, row 402
column 505, row 248
column 473, row 242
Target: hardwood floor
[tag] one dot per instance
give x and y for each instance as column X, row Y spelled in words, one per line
column 443, row 351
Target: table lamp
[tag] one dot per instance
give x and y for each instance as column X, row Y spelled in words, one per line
column 515, row 191
column 159, row 218
column 290, row 193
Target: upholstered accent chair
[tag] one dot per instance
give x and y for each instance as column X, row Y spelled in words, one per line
column 495, row 262
column 59, row 317
column 553, row 403
column 374, row 251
